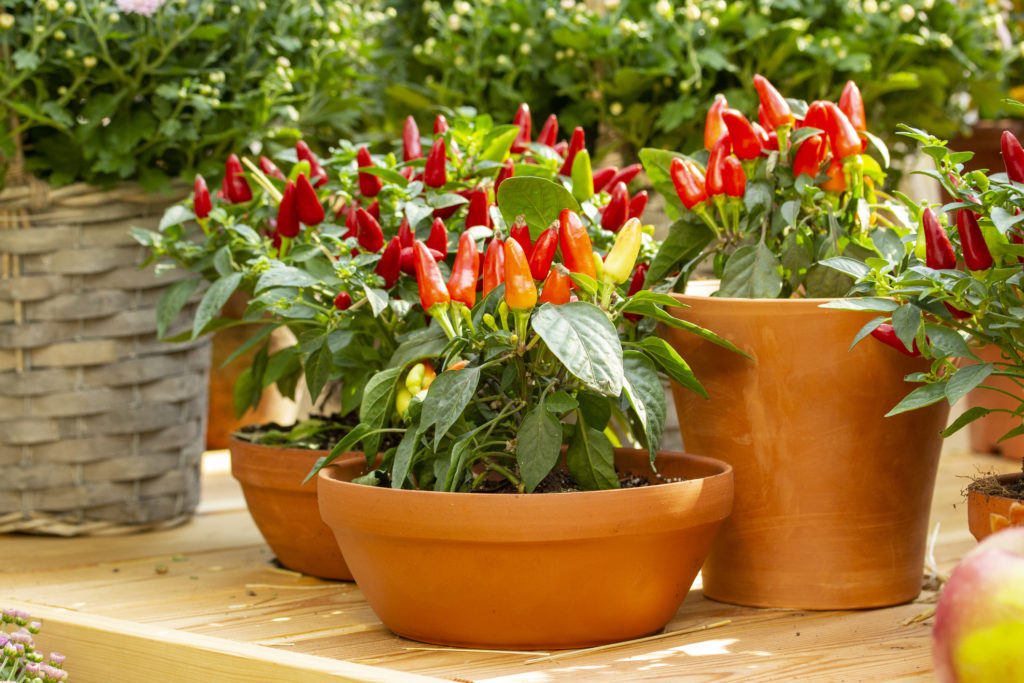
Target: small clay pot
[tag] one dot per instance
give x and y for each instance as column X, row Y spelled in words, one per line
column 285, row 510
column 832, row 497
column 987, row 514
column 542, row 570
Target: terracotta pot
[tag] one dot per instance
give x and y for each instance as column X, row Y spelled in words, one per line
column 986, row 431
column 285, row 510
column 987, row 514
column 832, row 498
column 535, row 570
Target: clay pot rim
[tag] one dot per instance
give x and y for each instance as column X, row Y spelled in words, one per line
column 817, row 301
column 536, row 518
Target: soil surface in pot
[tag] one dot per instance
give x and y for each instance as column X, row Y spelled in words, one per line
column 990, row 485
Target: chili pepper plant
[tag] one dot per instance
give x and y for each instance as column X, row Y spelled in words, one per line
column 327, row 249
column 770, row 196
column 953, row 281
column 547, row 356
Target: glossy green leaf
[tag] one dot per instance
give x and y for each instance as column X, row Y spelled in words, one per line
column 685, row 241
column 318, row 371
column 591, row 459
column 172, row 300
column 920, row 397
column 214, row 299
column 643, row 389
column 752, row 271
column 965, row 418
column 378, row 404
column 446, row 400
column 537, row 200
column 538, row 445
column 580, row 335
column 404, row 457
column 965, row 379
column 672, row 363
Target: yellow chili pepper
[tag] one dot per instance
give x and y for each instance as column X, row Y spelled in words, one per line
column 620, row 261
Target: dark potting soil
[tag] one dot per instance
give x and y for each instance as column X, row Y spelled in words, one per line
column 989, row 485
column 320, row 432
column 560, row 481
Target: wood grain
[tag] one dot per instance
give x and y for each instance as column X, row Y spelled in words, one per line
column 206, row 599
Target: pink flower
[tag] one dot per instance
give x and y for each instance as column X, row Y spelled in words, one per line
column 144, row 7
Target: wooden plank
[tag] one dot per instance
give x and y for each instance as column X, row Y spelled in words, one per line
column 100, row 649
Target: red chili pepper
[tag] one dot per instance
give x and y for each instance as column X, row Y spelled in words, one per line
column 520, row 289
column 886, row 334
column 438, row 239
column 1013, row 156
column 405, row 234
column 520, row 232
column 842, row 137
column 494, row 265
column 508, row 169
column 316, row 171
column 637, row 204
column 549, row 133
column 762, row 117
column 311, row 211
column 388, row 266
column 976, row 253
column 433, row 290
column 201, row 204
column 625, row 175
column 561, row 148
column 734, row 176
column 577, row 252
column 617, row 210
column 576, row 143
column 689, row 182
column 440, row 125
column 635, row 285
column 603, row 176
column 369, row 234
column 556, row 289
column 745, row 142
column 236, row 187
column 287, row 213
column 852, row 104
column 411, row 146
column 434, row 170
column 836, row 177
column 269, row 168
column 817, row 116
column 374, row 209
column 938, row 250
column 776, row 108
column 351, row 222
column 478, row 212
column 369, row 185
column 714, row 127
column 715, row 180
column 765, row 140
column 343, row 301
column 810, row 155
column 465, row 271
column 543, row 253
column 522, row 119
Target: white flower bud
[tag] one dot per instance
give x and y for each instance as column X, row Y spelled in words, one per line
column 88, row 61
column 870, row 6
column 454, row 22
column 693, row 12
column 906, row 13
column 615, row 109
column 6, row 20
column 52, row 5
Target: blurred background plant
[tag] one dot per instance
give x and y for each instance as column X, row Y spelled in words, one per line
column 148, row 90
column 646, row 72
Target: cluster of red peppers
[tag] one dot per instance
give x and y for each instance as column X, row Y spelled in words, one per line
column 734, row 142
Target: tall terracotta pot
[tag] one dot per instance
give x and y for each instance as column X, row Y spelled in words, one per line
column 987, row 431
column 832, row 498
column 557, row 570
column 285, row 510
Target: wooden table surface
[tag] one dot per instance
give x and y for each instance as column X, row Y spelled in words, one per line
column 205, row 602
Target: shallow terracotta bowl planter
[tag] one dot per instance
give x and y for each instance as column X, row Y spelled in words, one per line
column 832, row 498
column 557, row 570
column 285, row 510
column 987, row 514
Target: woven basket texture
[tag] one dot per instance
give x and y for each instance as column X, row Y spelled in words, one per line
column 101, row 424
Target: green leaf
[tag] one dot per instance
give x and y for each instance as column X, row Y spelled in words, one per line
column 591, row 459
column 403, row 457
column 318, row 371
column 867, row 303
column 25, row 60
column 358, row 433
column 222, row 261
column 906, row 320
column 214, row 299
column 378, row 299
column 752, row 271
column 650, row 310
column 965, row 379
column 560, row 402
column 447, row 398
column 685, row 241
column 919, row 398
column 826, row 283
column 176, row 215
column 538, row 445
column 419, row 348
column 497, row 143
column 595, row 409
column 172, row 300
column 285, row 276
column 580, row 335
column 947, row 340
column 643, row 389
column 392, row 177
column 672, row 363
column 844, row 264
column 378, row 403
column 967, row 417
column 537, row 200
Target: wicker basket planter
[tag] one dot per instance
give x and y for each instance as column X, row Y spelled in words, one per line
column 101, row 424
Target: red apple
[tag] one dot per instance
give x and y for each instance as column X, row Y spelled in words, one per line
column 979, row 621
